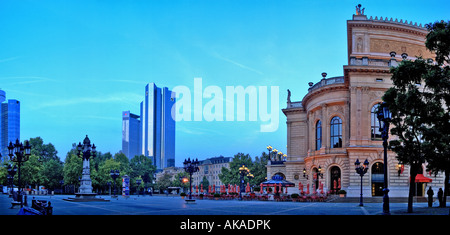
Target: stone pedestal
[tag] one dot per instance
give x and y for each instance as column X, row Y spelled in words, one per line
column 86, row 182
column 85, row 193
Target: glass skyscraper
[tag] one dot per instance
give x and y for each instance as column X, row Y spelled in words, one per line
column 156, row 128
column 131, row 126
column 9, row 122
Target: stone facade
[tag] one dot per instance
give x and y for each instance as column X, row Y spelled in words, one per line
column 334, row 125
column 211, row 168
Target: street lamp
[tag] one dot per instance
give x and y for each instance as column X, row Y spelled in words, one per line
column 114, row 175
column 85, row 152
column 11, row 172
column 270, row 150
column 243, row 171
column 361, row 170
column 191, row 167
column 319, row 172
column 19, row 154
column 384, row 117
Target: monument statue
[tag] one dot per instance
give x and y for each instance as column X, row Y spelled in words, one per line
column 289, row 96
column 359, row 11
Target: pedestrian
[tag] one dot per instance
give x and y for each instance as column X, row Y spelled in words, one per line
column 440, row 194
column 430, row 194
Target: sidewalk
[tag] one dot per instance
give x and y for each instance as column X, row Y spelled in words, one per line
column 423, row 211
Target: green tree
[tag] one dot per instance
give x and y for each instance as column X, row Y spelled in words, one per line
column 164, row 182
column 418, row 102
column 73, row 167
column 31, row 172
column 142, row 167
column 205, row 182
column 259, row 169
column 45, row 152
column 52, row 173
column 438, row 82
column 178, row 183
column 124, row 163
column 49, row 173
column 103, row 175
column 231, row 176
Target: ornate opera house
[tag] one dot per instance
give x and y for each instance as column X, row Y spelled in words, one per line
column 335, row 123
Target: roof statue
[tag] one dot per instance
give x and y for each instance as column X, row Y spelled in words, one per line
column 359, row 11
column 289, row 96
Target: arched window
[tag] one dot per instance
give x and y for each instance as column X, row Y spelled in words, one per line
column 336, row 132
column 375, row 133
column 318, row 135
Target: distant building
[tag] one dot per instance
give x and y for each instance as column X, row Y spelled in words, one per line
column 156, row 127
column 211, row 168
column 172, row 171
column 9, row 122
column 131, row 130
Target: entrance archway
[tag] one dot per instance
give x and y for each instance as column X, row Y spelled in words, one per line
column 377, row 179
column 316, row 175
column 335, row 175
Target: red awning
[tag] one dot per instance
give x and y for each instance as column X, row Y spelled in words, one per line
column 420, row 178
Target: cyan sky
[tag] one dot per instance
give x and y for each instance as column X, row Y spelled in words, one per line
column 76, row 65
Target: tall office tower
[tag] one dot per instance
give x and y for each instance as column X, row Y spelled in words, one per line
column 131, row 130
column 2, row 98
column 10, row 124
column 158, row 126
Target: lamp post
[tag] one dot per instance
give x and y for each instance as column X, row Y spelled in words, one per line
column 361, row 170
column 11, row 172
column 19, row 154
column 243, row 171
column 114, row 175
column 85, row 152
column 191, row 167
column 270, row 150
column 384, row 117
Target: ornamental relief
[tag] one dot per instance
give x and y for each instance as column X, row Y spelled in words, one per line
column 338, row 109
column 320, row 114
column 386, row 46
column 375, row 95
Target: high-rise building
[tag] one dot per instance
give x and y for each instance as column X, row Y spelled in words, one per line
column 158, row 126
column 9, row 122
column 2, row 96
column 131, row 126
column 156, row 129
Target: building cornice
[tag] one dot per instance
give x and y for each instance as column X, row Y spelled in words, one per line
column 365, row 69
